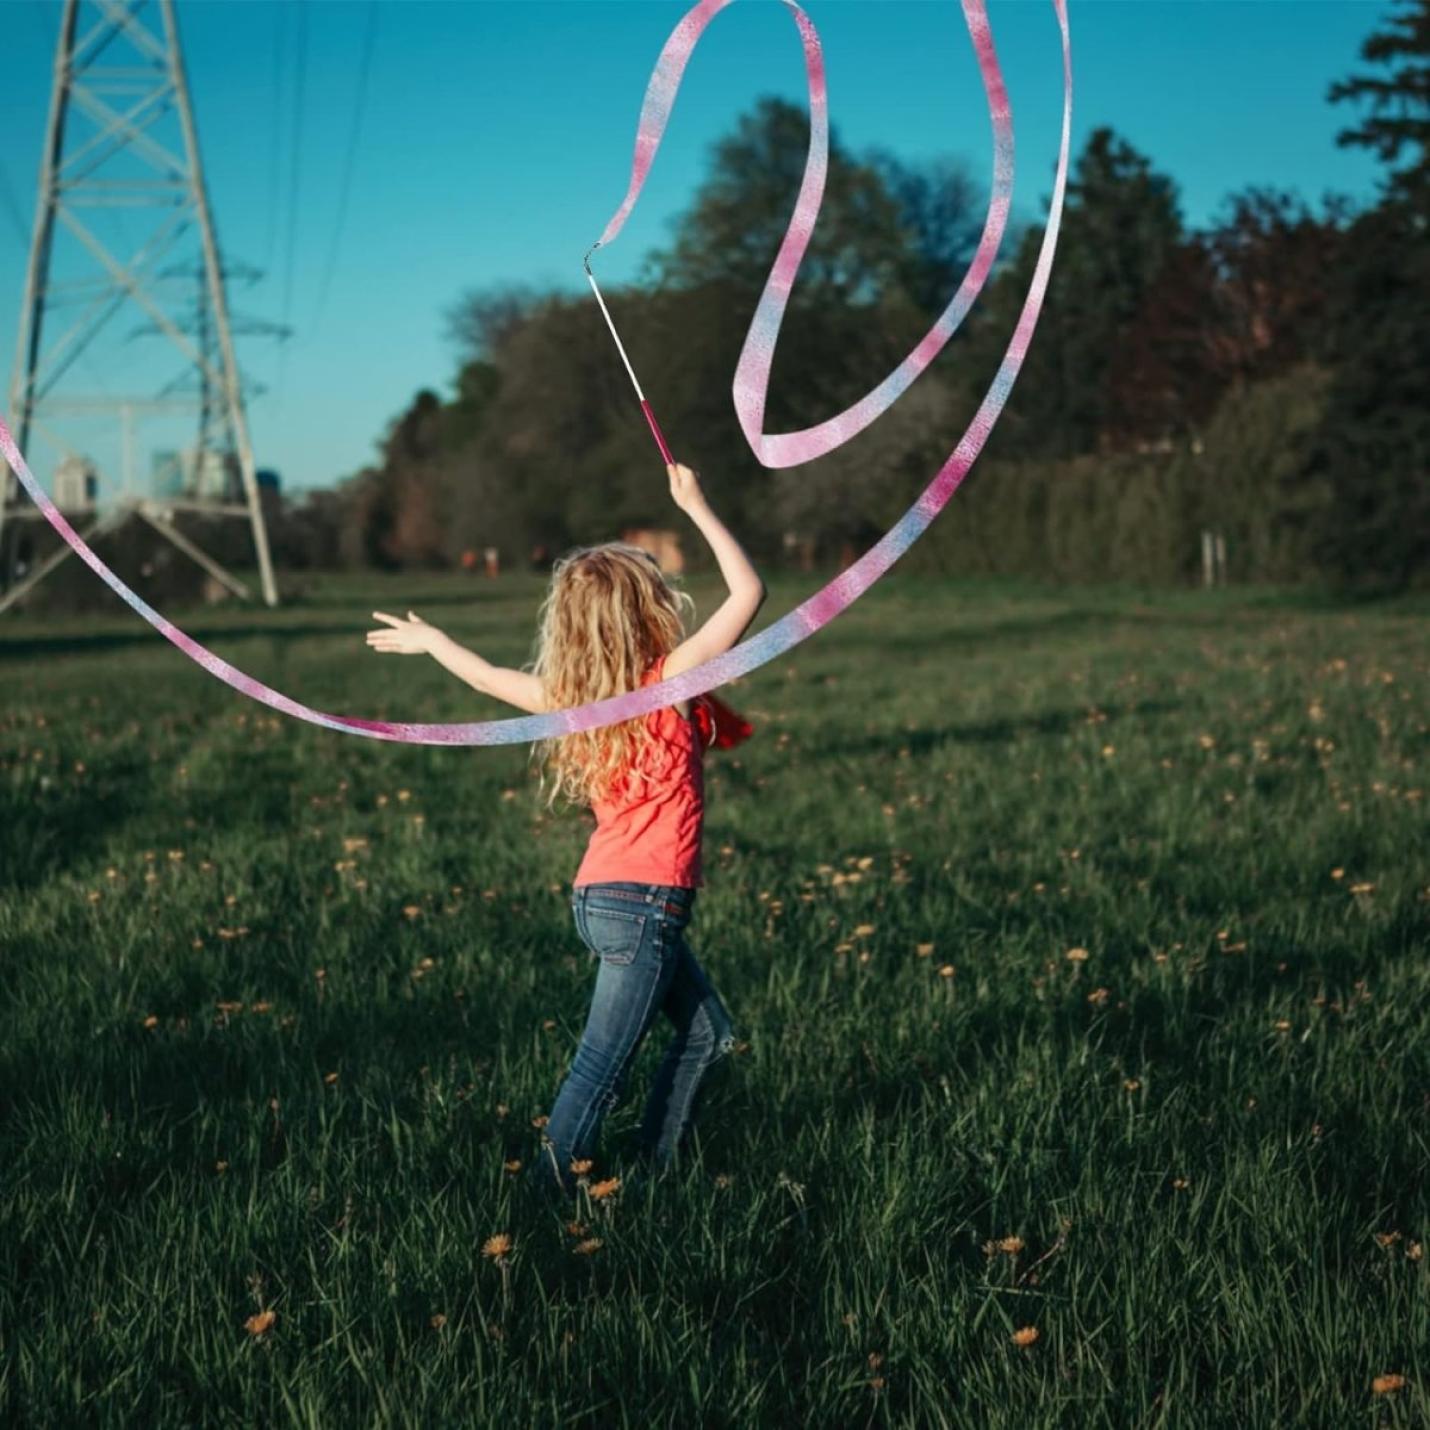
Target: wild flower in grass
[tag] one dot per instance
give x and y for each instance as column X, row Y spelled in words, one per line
column 1076, row 955
column 1099, row 997
column 1011, row 1245
column 411, row 911
column 863, row 930
column 1387, row 1238
column 330, row 1078
column 151, row 1021
column 576, row 1228
column 923, row 949
column 1387, row 1384
column 548, row 1025
column 602, row 1190
column 1414, row 1250
column 513, row 1166
column 1362, row 888
column 437, row 1321
column 1338, row 873
column 946, row 971
column 262, row 1007
column 540, row 1121
column 94, row 896
column 1181, row 1183
column 260, row 1324
column 1283, row 1025
column 582, row 1165
column 723, row 1180
column 591, row 1245
column 1025, row 1335
column 501, row 1109
column 497, row 1246
column 228, row 1007
column 1131, row 1084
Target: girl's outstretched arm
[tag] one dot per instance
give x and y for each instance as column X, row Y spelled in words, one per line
column 732, row 617
column 415, row 637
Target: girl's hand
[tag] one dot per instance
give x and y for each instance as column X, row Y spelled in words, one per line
column 410, row 637
column 684, row 487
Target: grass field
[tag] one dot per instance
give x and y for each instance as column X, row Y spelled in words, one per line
column 1076, row 943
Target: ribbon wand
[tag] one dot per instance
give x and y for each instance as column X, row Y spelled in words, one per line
column 727, row 726
column 655, row 431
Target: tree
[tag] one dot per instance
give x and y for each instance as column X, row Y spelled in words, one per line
column 1374, row 447
column 1121, row 224
column 733, row 230
column 1399, row 102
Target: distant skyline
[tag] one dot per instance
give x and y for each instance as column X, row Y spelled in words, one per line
column 495, row 141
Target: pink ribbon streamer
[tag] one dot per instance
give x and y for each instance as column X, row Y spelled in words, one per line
column 751, row 385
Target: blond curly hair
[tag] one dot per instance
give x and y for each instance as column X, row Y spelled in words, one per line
column 608, row 615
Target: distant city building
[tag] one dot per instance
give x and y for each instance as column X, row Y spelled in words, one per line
column 207, row 476
column 268, row 480
column 166, row 474
column 76, row 484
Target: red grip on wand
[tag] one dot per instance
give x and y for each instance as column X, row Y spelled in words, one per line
column 657, row 433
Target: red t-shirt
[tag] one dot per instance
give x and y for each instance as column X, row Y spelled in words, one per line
column 648, row 830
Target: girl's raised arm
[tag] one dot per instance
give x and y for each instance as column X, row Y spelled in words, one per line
column 729, row 621
column 415, row 637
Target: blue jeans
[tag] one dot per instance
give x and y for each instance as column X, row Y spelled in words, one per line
column 637, row 932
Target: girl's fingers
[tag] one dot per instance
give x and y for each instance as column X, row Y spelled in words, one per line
column 383, row 616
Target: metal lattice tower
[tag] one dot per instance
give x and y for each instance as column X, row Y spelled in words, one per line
column 125, row 79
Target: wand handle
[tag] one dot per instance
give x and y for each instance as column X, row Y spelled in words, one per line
column 658, row 434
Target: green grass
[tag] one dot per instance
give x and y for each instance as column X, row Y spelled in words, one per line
column 1200, row 1133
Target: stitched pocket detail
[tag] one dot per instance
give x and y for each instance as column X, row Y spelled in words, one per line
column 613, row 934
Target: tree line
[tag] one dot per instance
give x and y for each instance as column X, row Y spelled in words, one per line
column 1264, row 377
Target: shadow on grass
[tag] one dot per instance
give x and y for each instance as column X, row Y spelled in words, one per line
column 989, row 732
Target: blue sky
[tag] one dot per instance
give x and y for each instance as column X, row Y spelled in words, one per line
column 495, row 141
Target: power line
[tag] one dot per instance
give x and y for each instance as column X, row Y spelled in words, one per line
column 280, row 33
column 345, row 188
column 294, row 173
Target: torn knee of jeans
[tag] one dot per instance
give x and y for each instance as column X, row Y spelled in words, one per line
column 725, row 1043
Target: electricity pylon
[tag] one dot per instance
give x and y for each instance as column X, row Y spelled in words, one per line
column 124, row 97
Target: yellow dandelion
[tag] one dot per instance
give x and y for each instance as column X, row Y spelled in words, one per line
column 1181, row 1183
column 1011, row 1245
column 1414, row 1250
column 1076, row 955
column 923, row 949
column 1387, row 1238
column 581, row 1166
column 498, row 1245
column 261, row 1323
column 1387, row 1384
column 1025, row 1335
column 946, row 971
column 220, row 1167
column 587, row 1247
column 330, row 1078
column 411, row 911
column 540, row 1121
column 151, row 1021
column 513, row 1166
column 437, row 1321
column 576, row 1228
column 863, row 930
column 1131, row 1084
column 601, row 1190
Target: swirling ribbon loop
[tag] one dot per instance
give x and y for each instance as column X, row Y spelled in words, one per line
column 750, row 387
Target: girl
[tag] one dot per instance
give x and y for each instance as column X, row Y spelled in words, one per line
column 610, row 622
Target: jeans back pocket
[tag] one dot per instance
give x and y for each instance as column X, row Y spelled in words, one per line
column 614, row 935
